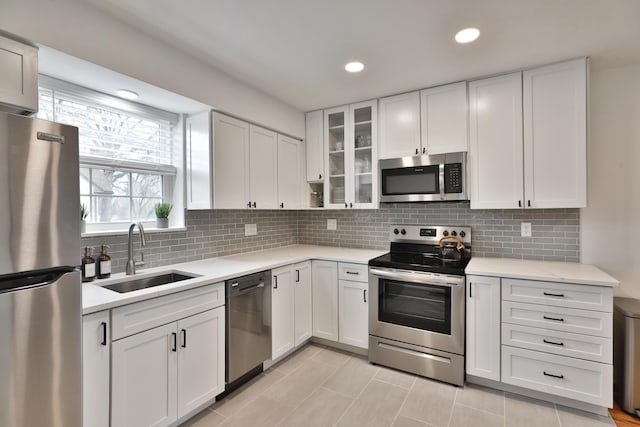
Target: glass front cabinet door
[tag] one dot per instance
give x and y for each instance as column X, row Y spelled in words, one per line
column 351, row 156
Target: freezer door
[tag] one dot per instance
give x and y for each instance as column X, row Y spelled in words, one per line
column 40, row 350
column 39, row 194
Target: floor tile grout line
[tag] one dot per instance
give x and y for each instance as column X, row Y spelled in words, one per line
column 403, row 401
column 455, row 397
column 353, row 401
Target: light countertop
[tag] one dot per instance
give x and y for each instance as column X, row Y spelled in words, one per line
column 214, row 270
column 564, row 272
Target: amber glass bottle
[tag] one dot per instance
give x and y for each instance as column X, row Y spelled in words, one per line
column 104, row 263
column 88, row 266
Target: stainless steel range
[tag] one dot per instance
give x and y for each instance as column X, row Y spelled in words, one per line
column 417, row 314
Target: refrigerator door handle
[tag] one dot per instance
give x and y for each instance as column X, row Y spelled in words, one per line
column 32, row 279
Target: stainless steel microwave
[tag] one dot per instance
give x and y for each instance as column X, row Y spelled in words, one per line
column 437, row 177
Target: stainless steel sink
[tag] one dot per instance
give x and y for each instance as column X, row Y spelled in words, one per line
column 148, row 282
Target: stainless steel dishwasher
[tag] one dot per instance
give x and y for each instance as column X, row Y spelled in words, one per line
column 248, row 326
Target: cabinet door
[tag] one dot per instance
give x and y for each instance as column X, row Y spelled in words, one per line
column 282, row 315
column 96, row 346
column 290, row 176
column 315, row 146
column 201, row 357
column 324, row 285
column 400, row 125
column 231, row 162
column 198, row 153
column 337, row 129
column 144, row 378
column 19, row 71
column 443, row 123
column 555, row 135
column 303, row 309
column 354, row 313
column 363, row 155
column 495, row 107
column 263, row 167
column 483, row 327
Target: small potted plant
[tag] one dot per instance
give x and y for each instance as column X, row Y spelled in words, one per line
column 162, row 214
column 84, row 211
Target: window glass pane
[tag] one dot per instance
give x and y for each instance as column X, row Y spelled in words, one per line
column 146, row 185
column 112, row 209
column 110, row 182
column 144, row 208
column 85, row 183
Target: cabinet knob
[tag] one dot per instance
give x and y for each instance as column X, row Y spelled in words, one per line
column 519, row 203
column 346, row 206
column 350, row 205
column 254, row 204
column 282, row 205
column 528, row 203
column 424, row 150
column 249, row 204
column 320, row 176
column 416, row 151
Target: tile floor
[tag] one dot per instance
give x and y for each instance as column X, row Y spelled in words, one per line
column 319, row 386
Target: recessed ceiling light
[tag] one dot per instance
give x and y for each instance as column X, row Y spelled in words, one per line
column 354, row 67
column 467, row 35
column 126, row 94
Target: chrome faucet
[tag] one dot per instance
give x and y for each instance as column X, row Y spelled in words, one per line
column 131, row 264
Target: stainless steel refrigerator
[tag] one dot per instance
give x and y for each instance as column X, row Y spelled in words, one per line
column 40, row 290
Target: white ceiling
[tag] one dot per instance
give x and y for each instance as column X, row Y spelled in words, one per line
column 295, row 50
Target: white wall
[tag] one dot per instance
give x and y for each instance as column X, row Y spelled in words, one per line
column 610, row 225
column 80, row 30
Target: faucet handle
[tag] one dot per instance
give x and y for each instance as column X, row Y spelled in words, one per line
column 141, row 262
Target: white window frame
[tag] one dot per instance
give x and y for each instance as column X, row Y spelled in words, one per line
column 171, row 174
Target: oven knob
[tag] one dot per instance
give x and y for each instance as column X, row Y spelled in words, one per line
column 395, row 231
column 462, row 234
column 403, row 231
column 445, row 233
column 453, row 233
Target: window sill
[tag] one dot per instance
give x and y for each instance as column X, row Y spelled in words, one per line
column 147, row 230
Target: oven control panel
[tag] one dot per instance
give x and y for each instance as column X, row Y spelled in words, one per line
column 429, row 234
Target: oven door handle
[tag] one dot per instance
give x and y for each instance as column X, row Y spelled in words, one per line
column 416, row 277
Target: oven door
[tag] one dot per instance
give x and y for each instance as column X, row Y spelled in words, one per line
column 418, row 308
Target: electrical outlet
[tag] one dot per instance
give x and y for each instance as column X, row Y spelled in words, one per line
column 525, row 229
column 250, row 229
column 332, row 224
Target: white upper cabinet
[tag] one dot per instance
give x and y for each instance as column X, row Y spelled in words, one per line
column 443, row 121
column 400, row 126
column 231, row 162
column 198, row 157
column 19, row 81
column 495, row 156
column 290, row 172
column 555, row 135
column 351, row 156
column 315, row 146
column 263, row 167
column 528, row 138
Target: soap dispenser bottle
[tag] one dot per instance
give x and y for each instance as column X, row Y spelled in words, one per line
column 104, row 263
column 88, row 266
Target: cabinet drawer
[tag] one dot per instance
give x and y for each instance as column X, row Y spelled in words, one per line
column 353, row 272
column 581, row 380
column 559, row 294
column 558, row 318
column 586, row 347
column 133, row 318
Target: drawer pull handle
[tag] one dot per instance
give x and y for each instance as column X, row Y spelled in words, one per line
column 549, row 294
column 557, row 319
column 552, row 342
column 553, row 375
column 353, row 272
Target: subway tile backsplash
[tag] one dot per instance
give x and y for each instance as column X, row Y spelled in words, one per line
column 496, row 233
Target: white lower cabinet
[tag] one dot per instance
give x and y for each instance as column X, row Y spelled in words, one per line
column 163, row 373
column 354, row 313
column 340, row 302
column 96, row 349
column 325, row 299
column 291, row 316
column 303, row 307
column 282, row 312
column 483, row 327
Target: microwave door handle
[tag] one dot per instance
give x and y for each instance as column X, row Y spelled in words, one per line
column 443, row 196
